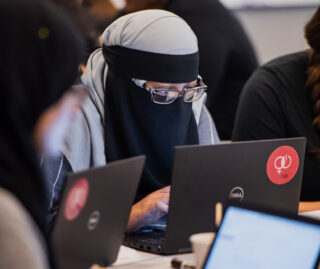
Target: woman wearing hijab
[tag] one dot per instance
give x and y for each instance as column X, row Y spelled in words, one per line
column 40, row 52
column 145, row 98
column 227, row 56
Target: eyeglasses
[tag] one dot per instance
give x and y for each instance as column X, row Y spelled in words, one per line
column 168, row 96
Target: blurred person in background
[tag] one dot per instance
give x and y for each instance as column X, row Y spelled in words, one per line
column 91, row 17
column 281, row 100
column 40, row 53
column 85, row 23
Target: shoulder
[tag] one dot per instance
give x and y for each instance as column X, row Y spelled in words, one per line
column 282, row 74
column 13, row 214
column 20, row 237
column 9, row 205
column 201, row 9
column 294, row 62
column 287, row 67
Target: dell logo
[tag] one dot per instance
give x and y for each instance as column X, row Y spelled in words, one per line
column 93, row 220
column 237, row 193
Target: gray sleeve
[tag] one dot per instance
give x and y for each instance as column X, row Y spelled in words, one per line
column 206, row 129
column 55, row 170
column 21, row 244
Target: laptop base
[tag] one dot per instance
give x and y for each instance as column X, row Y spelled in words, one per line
column 152, row 241
column 146, row 240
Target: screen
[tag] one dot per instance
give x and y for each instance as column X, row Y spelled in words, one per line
column 268, row 3
column 251, row 239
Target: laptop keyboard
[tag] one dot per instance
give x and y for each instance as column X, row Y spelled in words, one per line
column 152, row 241
column 149, row 238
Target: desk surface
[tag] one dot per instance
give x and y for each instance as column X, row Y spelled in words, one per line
column 309, row 206
column 131, row 258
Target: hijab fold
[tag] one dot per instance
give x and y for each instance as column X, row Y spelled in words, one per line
column 148, row 65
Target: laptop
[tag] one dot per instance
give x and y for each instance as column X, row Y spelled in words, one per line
column 253, row 238
column 94, row 213
column 264, row 172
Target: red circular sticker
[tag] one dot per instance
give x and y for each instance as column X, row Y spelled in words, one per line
column 76, row 199
column 282, row 165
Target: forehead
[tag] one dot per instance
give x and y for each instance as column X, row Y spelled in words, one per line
column 173, row 85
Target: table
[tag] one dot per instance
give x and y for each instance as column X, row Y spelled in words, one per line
column 131, row 258
column 309, row 206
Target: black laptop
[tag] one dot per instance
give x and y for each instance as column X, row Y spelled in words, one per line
column 94, row 213
column 265, row 172
column 253, row 238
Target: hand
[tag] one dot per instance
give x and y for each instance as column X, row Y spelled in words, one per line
column 149, row 209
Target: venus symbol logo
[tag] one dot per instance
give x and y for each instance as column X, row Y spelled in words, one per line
column 282, row 165
column 282, row 162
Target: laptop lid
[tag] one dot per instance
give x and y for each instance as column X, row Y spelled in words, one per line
column 250, row 238
column 94, row 212
column 264, row 172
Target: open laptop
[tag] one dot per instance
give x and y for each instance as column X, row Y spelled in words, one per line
column 94, row 212
column 265, row 172
column 251, row 238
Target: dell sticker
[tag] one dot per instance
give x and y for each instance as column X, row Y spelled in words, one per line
column 237, row 193
column 93, row 220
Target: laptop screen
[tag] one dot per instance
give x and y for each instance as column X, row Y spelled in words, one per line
column 251, row 239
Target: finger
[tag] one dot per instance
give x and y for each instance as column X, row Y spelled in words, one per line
column 165, row 189
column 164, row 198
column 163, row 208
column 165, row 201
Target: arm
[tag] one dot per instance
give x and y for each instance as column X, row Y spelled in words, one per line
column 54, row 170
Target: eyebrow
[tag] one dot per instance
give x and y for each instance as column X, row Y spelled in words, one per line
column 192, row 84
column 188, row 85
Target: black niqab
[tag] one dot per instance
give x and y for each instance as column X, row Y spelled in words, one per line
column 135, row 125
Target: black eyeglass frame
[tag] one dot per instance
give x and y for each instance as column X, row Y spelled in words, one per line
column 153, row 92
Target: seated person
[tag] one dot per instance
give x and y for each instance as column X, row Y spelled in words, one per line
column 227, row 57
column 282, row 100
column 146, row 97
column 40, row 54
